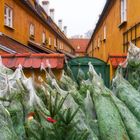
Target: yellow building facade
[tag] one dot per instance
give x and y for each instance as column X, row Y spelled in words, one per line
column 26, row 22
column 118, row 24
column 26, row 30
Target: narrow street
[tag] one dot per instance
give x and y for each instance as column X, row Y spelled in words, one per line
column 61, row 79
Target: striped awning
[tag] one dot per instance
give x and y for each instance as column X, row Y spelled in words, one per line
column 117, row 59
column 28, row 60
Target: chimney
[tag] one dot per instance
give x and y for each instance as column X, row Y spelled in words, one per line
column 45, row 5
column 65, row 30
column 60, row 24
column 36, row 3
column 52, row 14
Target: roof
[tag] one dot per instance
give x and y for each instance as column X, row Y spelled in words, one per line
column 117, row 59
column 40, row 48
column 28, row 60
column 10, row 45
column 103, row 14
column 66, row 53
column 81, row 42
column 39, row 12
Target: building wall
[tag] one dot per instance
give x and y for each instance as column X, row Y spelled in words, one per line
column 114, row 32
column 23, row 17
column 36, row 73
column 79, row 54
column 63, row 46
column 1, row 14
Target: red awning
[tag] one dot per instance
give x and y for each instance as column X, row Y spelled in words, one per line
column 28, row 60
column 116, row 59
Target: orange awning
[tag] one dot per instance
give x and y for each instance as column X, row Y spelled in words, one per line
column 28, row 60
column 116, row 59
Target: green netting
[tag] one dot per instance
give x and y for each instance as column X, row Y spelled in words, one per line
column 81, row 75
column 130, row 121
column 133, row 66
column 16, row 111
column 64, row 110
column 128, row 94
column 6, row 126
column 110, row 123
column 72, row 101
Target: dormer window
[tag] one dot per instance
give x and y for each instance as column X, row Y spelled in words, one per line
column 8, row 16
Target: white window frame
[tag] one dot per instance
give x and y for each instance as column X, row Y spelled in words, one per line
column 99, row 42
column 55, row 43
column 105, row 33
column 123, row 11
column 32, row 29
column 60, row 45
column 43, row 37
column 78, row 47
column 8, row 16
column 50, row 41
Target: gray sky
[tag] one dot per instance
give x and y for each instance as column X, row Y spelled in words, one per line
column 79, row 15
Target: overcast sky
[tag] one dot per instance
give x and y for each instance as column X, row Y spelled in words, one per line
column 78, row 15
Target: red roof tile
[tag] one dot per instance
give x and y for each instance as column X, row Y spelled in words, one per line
column 81, row 42
column 33, row 60
column 116, row 59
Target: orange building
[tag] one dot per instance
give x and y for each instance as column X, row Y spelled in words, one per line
column 29, row 37
column 80, row 45
column 118, row 24
column 25, row 23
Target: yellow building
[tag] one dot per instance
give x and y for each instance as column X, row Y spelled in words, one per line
column 27, row 23
column 30, row 37
column 118, row 24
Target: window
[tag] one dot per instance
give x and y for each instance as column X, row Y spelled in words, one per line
column 55, row 44
column 78, row 47
column 123, row 11
column 43, row 38
column 104, row 33
column 99, row 42
column 8, row 16
column 60, row 45
column 50, row 41
column 32, row 30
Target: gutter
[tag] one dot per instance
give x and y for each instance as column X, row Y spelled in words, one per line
column 4, row 48
column 67, row 54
